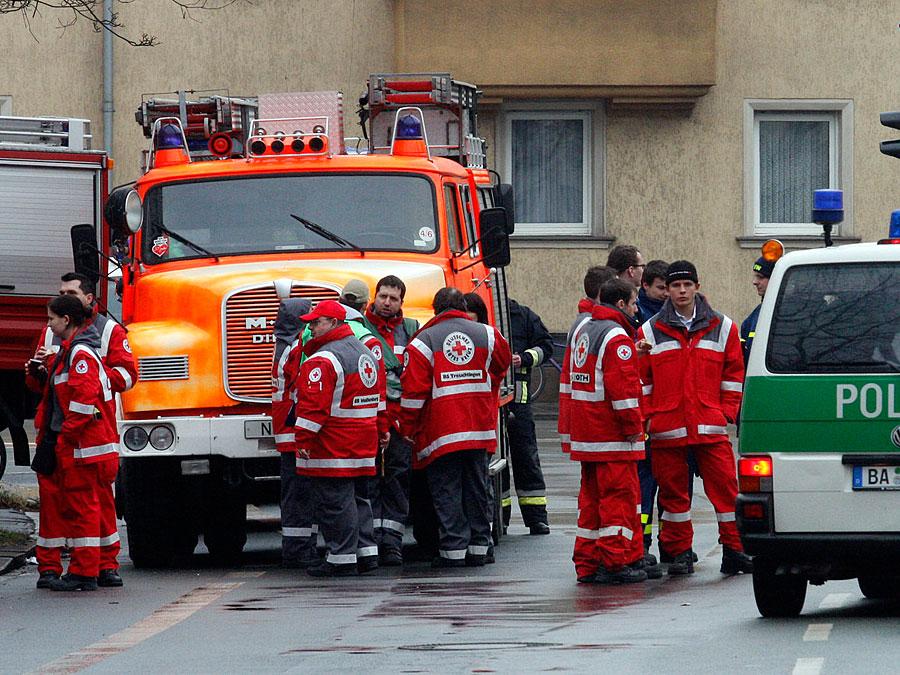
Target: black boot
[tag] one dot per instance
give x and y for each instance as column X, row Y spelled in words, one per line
column 683, row 563
column 626, row 575
column 653, row 570
column 73, row 582
column 539, row 528
column 327, row 569
column 366, row 563
column 45, row 578
column 391, row 557
column 109, row 579
column 735, row 562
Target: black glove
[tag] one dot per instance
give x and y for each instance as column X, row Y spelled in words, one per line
column 44, row 461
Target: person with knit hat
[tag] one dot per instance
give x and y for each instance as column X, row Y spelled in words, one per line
column 693, row 378
column 762, row 271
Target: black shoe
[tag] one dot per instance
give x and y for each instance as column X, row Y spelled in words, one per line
column 669, row 558
column 587, row 579
column 366, row 564
column 391, row 557
column 683, row 563
column 735, row 562
column 327, row 569
column 626, row 575
column 539, row 528
column 650, row 559
column 489, row 556
column 653, row 571
column 110, row 579
column 45, row 578
column 73, row 582
column 475, row 560
column 440, row 561
column 300, row 563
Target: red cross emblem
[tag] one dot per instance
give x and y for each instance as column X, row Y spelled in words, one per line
column 581, row 349
column 459, row 348
column 368, row 370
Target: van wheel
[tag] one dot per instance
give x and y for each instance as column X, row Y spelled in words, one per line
column 777, row 595
column 880, row 587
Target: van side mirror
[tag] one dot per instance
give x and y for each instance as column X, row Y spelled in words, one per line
column 85, row 253
column 506, row 199
column 494, row 239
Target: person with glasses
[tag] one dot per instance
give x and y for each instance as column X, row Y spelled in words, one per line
column 629, row 265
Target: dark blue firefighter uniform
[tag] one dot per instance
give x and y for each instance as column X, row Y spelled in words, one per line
column 532, row 341
column 748, row 332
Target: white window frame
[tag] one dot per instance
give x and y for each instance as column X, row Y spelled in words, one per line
column 839, row 114
column 585, row 227
column 5, row 105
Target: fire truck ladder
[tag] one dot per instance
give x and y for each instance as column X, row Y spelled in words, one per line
column 48, row 132
column 450, row 109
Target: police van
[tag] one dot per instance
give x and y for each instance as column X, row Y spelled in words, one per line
column 819, row 465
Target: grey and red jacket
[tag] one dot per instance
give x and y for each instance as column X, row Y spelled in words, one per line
column 692, row 380
column 80, row 403
column 285, row 364
column 604, row 405
column 451, row 384
column 338, row 400
column 585, row 307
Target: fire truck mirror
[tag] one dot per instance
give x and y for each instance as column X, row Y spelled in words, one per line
column 494, row 239
column 506, row 199
column 85, row 253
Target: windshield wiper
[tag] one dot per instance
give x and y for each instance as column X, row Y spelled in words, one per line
column 188, row 242
column 858, row 364
column 315, row 228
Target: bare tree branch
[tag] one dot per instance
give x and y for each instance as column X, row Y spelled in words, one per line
column 69, row 12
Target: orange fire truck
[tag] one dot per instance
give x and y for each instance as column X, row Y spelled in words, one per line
column 50, row 181
column 246, row 201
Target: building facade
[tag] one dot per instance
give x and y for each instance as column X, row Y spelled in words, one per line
column 691, row 128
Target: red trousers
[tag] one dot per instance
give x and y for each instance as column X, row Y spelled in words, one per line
column 609, row 529
column 51, row 530
column 89, row 515
column 717, row 469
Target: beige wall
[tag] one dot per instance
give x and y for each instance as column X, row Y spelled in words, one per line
column 674, row 184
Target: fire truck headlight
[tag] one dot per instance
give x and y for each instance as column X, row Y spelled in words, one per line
column 134, row 211
column 135, row 438
column 316, row 144
column 297, row 144
column 161, row 437
column 258, row 147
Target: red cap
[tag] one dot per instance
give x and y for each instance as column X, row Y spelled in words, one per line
column 327, row 308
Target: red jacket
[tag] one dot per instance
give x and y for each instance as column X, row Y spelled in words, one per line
column 79, row 391
column 585, row 307
column 337, row 406
column 604, row 404
column 451, row 383
column 693, row 381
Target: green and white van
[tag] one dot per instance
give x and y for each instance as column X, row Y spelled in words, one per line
column 819, row 465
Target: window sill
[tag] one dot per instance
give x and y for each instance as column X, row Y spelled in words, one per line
column 795, row 241
column 550, row 241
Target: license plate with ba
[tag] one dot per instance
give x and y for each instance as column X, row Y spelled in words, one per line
column 876, row 477
column 258, row 429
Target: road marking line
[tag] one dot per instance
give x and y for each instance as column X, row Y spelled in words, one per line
column 818, row 632
column 834, row 600
column 808, row 666
column 162, row 619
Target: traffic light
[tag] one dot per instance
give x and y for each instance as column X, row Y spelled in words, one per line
column 892, row 120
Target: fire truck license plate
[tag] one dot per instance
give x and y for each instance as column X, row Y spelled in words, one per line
column 258, row 429
column 876, row 477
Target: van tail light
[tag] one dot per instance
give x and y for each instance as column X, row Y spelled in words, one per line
column 755, row 473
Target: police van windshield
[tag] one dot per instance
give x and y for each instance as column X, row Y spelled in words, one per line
column 837, row 319
column 252, row 214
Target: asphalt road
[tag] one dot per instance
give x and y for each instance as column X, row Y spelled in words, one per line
column 523, row 614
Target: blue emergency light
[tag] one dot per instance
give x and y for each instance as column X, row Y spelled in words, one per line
column 409, row 128
column 828, row 206
column 894, row 232
column 169, row 138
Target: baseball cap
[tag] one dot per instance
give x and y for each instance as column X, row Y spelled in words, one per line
column 327, row 308
column 681, row 270
column 355, row 290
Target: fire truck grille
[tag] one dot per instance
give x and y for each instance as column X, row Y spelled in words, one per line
column 249, row 342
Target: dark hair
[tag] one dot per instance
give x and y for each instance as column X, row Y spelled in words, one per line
column 448, row 298
column 67, row 305
column 616, row 289
column 476, row 305
column 595, row 277
column 622, row 257
column 87, row 285
column 393, row 282
column 655, row 269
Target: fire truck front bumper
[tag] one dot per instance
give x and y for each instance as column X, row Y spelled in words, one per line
column 230, row 436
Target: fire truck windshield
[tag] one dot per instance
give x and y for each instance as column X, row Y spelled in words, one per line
column 252, row 215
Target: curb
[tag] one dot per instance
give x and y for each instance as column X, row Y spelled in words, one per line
column 13, row 556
